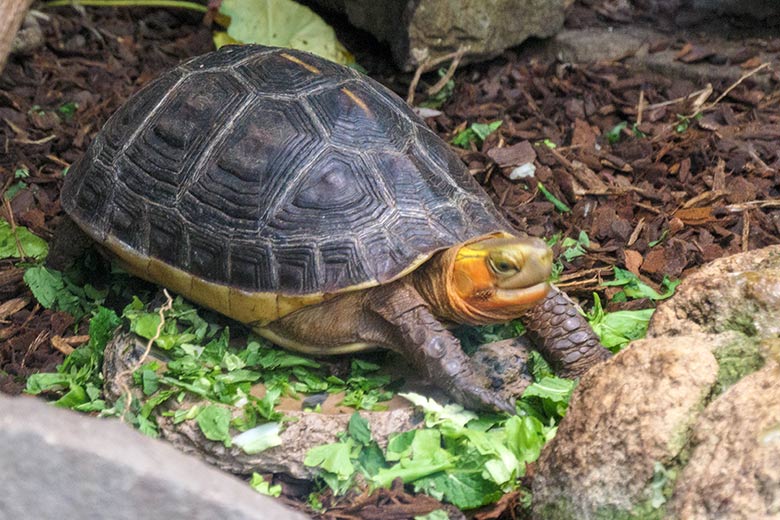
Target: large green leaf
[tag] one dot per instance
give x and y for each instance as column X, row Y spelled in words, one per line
column 280, row 23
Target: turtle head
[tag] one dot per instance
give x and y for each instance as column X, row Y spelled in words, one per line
column 499, row 276
column 492, row 279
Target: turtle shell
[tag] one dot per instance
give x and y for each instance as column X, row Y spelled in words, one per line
column 273, row 173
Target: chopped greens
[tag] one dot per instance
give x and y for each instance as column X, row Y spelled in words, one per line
column 441, row 97
column 617, row 329
column 559, row 205
column 262, row 486
column 214, row 422
column 570, row 249
column 613, row 135
column 259, row 438
column 19, row 242
column 438, row 514
column 476, row 133
column 79, row 378
column 201, row 360
column 58, row 291
column 633, row 287
column 457, row 456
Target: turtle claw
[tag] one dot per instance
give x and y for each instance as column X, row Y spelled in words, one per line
column 474, row 396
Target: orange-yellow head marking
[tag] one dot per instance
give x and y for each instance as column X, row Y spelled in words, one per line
column 498, row 277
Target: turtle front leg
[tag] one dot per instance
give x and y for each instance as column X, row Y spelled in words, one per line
column 563, row 335
column 418, row 335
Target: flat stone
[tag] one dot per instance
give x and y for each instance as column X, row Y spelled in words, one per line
column 597, row 44
column 61, row 464
column 503, row 364
column 631, row 46
column 759, row 9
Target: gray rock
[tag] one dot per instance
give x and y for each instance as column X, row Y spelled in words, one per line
column 630, row 45
column 420, row 29
column 64, row 465
column 305, row 431
column 30, row 35
column 505, row 365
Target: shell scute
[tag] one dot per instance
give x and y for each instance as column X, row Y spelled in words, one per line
column 288, row 74
column 356, row 119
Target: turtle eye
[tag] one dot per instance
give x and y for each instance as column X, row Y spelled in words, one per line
column 501, row 266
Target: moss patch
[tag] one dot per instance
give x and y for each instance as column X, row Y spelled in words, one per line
column 741, row 322
column 735, row 361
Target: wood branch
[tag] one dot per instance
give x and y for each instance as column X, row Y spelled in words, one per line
column 11, row 17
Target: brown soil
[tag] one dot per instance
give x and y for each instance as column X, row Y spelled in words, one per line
column 688, row 192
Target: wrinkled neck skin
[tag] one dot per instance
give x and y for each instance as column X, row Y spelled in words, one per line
column 434, row 282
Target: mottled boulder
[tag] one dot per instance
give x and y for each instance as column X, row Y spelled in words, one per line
column 685, row 423
column 625, row 416
column 420, row 29
column 734, row 467
column 739, row 292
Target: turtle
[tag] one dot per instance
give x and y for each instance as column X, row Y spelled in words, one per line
column 309, row 202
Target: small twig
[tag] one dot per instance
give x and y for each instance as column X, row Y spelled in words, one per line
column 36, row 142
column 60, row 344
column 53, row 158
column 640, row 107
column 450, row 72
column 595, row 271
column 129, row 3
column 733, row 86
column 12, row 223
column 37, row 342
column 121, row 376
column 698, row 102
column 765, row 203
column 676, row 100
column 745, row 230
column 751, row 150
column 635, row 234
column 427, row 66
column 648, row 207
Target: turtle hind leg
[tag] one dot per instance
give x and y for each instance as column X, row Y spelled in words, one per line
column 563, row 336
column 415, row 333
column 69, row 244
